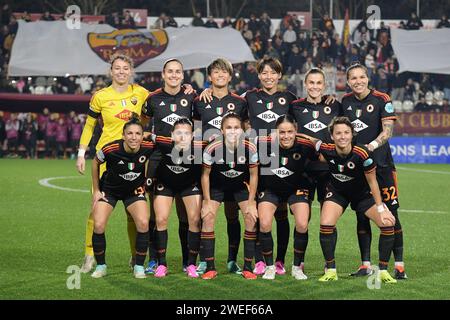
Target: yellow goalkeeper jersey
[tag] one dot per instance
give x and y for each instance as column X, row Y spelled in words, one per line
column 115, row 109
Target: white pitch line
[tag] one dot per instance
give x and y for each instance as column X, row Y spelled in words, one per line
column 45, row 182
column 422, row 170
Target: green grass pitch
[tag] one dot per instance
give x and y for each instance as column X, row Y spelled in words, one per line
column 42, row 234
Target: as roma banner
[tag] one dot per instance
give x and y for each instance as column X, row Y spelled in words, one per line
column 50, row 48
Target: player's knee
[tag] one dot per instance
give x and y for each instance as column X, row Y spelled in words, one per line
column 161, row 222
column 142, row 224
column 265, row 225
column 301, row 226
column 194, row 222
column 250, row 224
column 208, row 222
column 99, row 227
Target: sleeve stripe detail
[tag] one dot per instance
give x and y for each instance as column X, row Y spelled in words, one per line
column 304, row 141
column 250, row 146
column 362, row 155
column 361, row 150
column 328, row 146
column 93, row 114
column 383, row 95
column 111, row 149
column 389, row 118
column 371, row 170
column 210, row 148
column 151, row 94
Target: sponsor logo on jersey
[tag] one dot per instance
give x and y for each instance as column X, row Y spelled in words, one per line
column 315, row 114
column 134, row 100
column 231, row 106
column 195, row 188
column 370, row 108
column 296, row 156
column 359, row 125
column 162, row 103
column 130, row 176
column 231, row 173
column 358, row 113
column 171, row 118
column 315, row 126
column 160, row 187
column 269, row 105
column 216, row 122
column 342, row 177
column 259, row 101
column 351, row 165
column 368, row 162
column 394, row 202
column 340, row 168
column 268, row 116
column 142, row 159
column 327, row 110
column 389, row 107
column 124, row 115
column 219, row 110
column 183, row 102
column 141, row 196
column 177, row 169
column 282, row 172
column 173, row 107
column 261, row 195
column 284, row 161
column 241, row 159
column 282, row 101
column 131, row 165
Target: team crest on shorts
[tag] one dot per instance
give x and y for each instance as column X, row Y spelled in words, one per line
column 282, row 101
column 142, row 159
column 160, row 187
column 329, row 194
column 231, row 106
column 134, row 100
column 184, row 102
column 261, row 195
column 370, row 108
column 327, row 110
column 351, row 165
column 296, row 156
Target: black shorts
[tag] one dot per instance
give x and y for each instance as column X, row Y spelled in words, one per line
column 318, row 180
column 277, row 198
column 162, row 189
column 220, row 195
column 127, row 198
column 359, row 203
column 387, row 181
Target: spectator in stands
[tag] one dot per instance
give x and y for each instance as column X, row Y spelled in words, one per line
column 410, row 92
column 42, row 120
column 26, row 16
column 253, row 24
column 171, row 22
column 197, row 21
column 398, row 86
column 296, row 83
column 161, row 22
column 425, row 84
column 383, row 29
column 296, row 24
column 75, row 133
column 265, row 25
column 12, row 127
column 295, row 61
column 316, row 52
column 402, row 25
column 113, row 20
column 211, row 23
column 13, row 25
column 85, row 82
column 6, row 14
column 247, row 34
column 380, row 80
column 2, row 134
column 289, row 36
column 443, row 23
column 239, row 24
column 61, row 138
column 127, row 21
column 421, row 105
column 370, row 63
column 414, row 22
column 250, row 76
column 47, row 16
column 271, row 51
column 227, row 22
column 50, row 136
column 28, row 129
column 327, row 25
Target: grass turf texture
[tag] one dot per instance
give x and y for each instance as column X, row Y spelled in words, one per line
column 42, row 233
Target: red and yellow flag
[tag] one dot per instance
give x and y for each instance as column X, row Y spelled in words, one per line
column 346, row 29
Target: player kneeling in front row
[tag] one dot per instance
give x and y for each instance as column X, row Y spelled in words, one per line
column 124, row 179
column 353, row 181
column 178, row 173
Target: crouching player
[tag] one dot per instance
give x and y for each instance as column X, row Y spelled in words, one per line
column 124, row 179
column 353, row 181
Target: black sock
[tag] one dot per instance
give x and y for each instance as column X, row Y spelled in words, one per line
column 327, row 242
column 183, row 229
column 234, row 238
column 207, row 249
column 161, row 245
column 398, row 236
column 99, row 246
column 152, row 253
column 283, row 233
column 364, row 232
column 300, row 244
column 141, row 247
column 258, row 248
column 267, row 247
column 249, row 249
column 194, row 246
column 385, row 246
